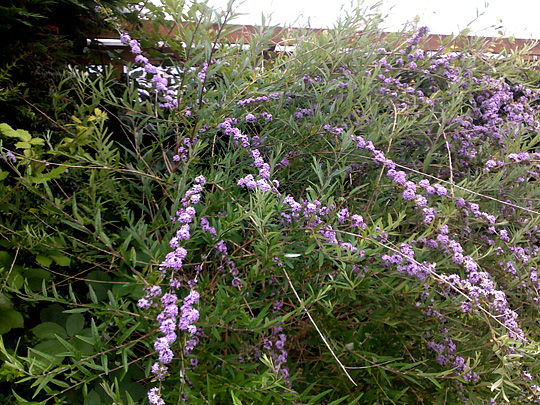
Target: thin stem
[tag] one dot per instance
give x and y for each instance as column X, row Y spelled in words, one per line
column 317, row 328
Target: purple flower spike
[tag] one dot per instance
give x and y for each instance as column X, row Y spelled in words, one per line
column 154, row 397
column 125, row 38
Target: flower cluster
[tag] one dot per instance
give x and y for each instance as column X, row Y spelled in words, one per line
column 221, row 251
column 477, row 284
column 263, row 183
column 183, row 151
column 446, row 356
column 172, row 317
column 500, row 111
column 275, row 342
column 160, row 80
column 260, row 99
column 10, row 156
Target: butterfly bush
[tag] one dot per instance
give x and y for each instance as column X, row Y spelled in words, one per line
column 357, row 220
column 474, row 290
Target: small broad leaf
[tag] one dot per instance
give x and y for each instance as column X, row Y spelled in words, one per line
column 59, row 258
column 7, row 130
column 5, row 259
column 37, row 141
column 15, row 280
column 49, row 330
column 10, row 319
column 5, row 303
column 50, row 351
column 55, row 173
column 22, row 134
column 74, row 324
column 35, row 278
column 23, row 145
column 93, row 398
column 44, row 260
column 98, row 280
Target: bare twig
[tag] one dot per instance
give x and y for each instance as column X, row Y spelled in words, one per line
column 10, row 269
column 317, row 328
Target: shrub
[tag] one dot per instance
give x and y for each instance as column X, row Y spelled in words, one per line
column 38, row 38
column 352, row 222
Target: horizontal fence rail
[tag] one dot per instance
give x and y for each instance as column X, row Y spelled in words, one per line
column 283, row 39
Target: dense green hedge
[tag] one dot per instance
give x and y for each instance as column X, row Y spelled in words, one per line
column 352, row 222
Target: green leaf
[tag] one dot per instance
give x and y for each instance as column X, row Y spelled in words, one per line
column 105, row 364
column 83, row 344
column 435, row 382
column 97, row 221
column 10, row 319
column 76, row 310
column 93, row 398
column 92, row 295
column 310, row 249
column 21, row 400
column 44, row 260
column 125, row 361
column 15, row 280
column 98, row 280
column 37, row 273
column 59, row 258
column 22, row 134
column 48, row 352
column 236, row 401
column 53, row 174
column 5, row 258
column 23, row 145
column 49, row 330
column 35, row 278
column 5, row 303
column 338, row 401
column 37, row 141
column 74, row 324
column 7, row 130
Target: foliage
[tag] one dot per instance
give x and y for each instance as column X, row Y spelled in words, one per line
column 354, row 221
column 37, row 39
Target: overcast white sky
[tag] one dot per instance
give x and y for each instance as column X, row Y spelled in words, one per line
column 520, row 18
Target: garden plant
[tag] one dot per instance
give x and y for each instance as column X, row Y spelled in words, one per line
column 353, row 220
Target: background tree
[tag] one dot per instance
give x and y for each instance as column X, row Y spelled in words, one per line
column 38, row 38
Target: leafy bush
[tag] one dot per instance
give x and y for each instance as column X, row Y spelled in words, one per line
column 37, row 39
column 352, row 222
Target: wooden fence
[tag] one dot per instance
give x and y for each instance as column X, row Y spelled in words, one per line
column 284, row 37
